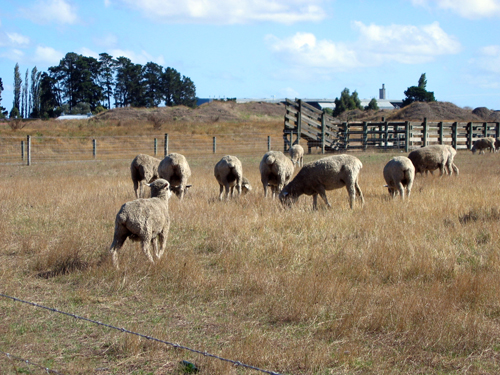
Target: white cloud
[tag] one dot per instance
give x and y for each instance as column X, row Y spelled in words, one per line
column 50, row 11
column 376, row 45
column 488, row 60
column 475, row 9
column 47, row 55
column 228, row 11
column 18, row 39
column 137, row 58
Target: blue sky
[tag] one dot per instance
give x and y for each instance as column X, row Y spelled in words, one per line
column 272, row 48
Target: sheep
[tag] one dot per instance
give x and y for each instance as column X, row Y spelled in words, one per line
column 430, row 158
column 297, row 155
column 482, row 144
column 144, row 220
column 175, row 169
column 229, row 174
column 332, row 172
column 276, row 170
column 399, row 174
column 144, row 170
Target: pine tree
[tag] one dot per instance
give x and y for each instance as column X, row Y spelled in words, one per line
column 17, row 91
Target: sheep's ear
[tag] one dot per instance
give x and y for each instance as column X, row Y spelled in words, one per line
column 285, row 193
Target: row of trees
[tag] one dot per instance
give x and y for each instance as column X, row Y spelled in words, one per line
column 349, row 101
column 82, row 84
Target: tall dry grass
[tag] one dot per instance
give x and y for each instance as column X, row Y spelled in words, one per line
column 391, row 287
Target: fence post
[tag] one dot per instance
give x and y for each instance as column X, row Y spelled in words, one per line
column 22, row 150
column 386, row 135
column 94, row 148
column 454, row 135
column 155, row 146
column 268, row 143
column 346, row 135
column 485, row 129
column 424, row 132
column 323, row 133
column 497, row 129
column 214, row 145
column 469, row 135
column 299, row 123
column 365, row 135
column 441, row 136
column 165, row 145
column 407, row 136
column 28, row 149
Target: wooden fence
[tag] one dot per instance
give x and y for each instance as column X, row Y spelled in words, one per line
column 322, row 131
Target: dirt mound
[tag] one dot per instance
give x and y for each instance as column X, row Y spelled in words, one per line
column 208, row 112
column 438, row 111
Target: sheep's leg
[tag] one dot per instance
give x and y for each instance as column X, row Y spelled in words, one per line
column 351, row 189
column 315, row 202
column 221, row 191
column 146, row 247
column 136, row 188
column 163, row 241
column 322, row 193
column 455, row 169
column 119, row 238
column 360, row 193
column 238, row 186
column 265, row 182
column 401, row 190
column 226, row 186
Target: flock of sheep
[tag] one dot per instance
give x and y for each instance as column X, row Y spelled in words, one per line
column 147, row 219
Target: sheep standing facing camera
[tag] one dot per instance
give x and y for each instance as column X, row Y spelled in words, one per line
column 276, row 170
column 297, row 155
column 483, row 144
column 229, row 174
column 399, row 174
column 175, row 169
column 315, row 178
column 144, row 170
column 145, row 220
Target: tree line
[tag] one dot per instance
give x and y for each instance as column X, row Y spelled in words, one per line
column 82, row 84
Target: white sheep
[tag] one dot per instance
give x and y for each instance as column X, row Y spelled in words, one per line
column 144, row 170
column 297, row 155
column 145, row 220
column 483, row 144
column 276, row 170
column 229, row 174
column 315, row 178
column 429, row 158
column 399, row 174
column 175, row 169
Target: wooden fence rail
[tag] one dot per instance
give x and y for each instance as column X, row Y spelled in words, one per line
column 322, row 131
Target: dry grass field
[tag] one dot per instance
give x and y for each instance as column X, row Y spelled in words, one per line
column 388, row 288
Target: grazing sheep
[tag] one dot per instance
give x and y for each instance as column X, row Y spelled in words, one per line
column 430, row 158
column 229, row 174
column 276, row 170
column 297, row 155
column 399, row 173
column 482, row 144
column 144, row 170
column 175, row 169
column 144, row 220
column 332, row 172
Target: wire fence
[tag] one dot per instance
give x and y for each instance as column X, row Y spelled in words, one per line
column 30, row 363
column 176, row 346
column 43, row 149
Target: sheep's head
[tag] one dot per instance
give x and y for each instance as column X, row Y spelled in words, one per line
column 160, row 188
column 286, row 198
column 178, row 191
column 245, row 186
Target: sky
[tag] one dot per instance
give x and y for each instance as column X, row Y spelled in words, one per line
column 272, row 48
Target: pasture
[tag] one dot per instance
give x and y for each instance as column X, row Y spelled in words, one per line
column 388, row 288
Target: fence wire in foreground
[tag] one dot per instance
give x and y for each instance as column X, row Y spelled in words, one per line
column 176, row 346
column 29, row 363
